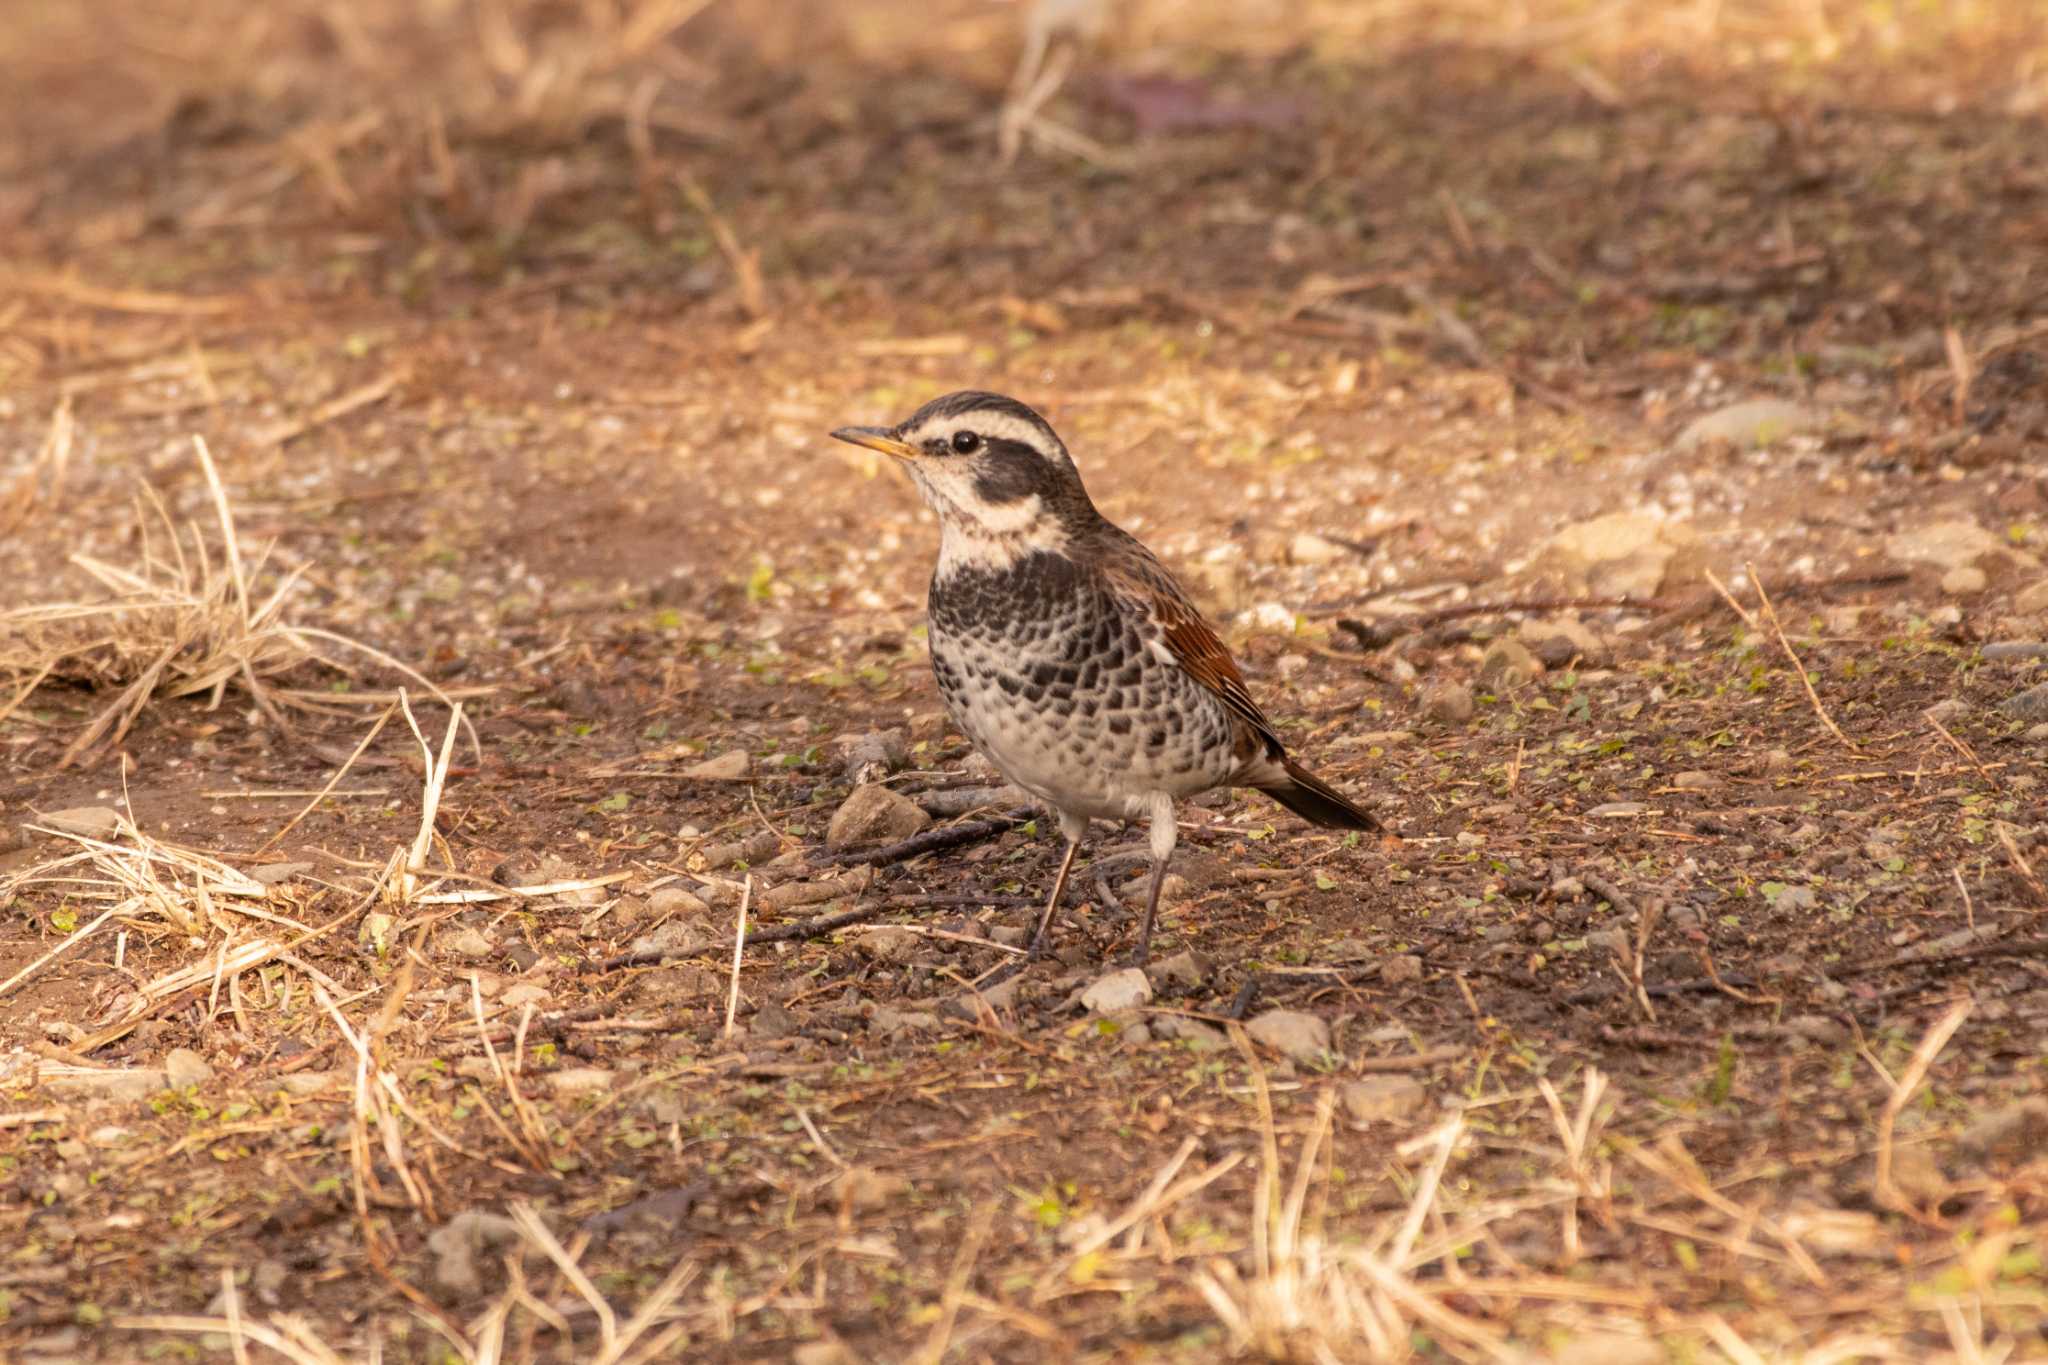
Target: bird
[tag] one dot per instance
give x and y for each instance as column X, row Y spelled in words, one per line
column 1067, row 653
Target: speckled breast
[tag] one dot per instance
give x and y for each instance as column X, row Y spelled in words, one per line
column 1050, row 676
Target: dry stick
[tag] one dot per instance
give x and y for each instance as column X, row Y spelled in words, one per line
column 1969, row 754
column 2026, row 869
column 1805, row 680
column 76, row 938
column 332, row 782
column 933, row 839
column 739, row 947
column 1380, row 634
column 1888, row 1193
column 956, row 1284
column 362, row 397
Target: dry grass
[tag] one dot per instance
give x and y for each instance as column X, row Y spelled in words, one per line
column 196, row 615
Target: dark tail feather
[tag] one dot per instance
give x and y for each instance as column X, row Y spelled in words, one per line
column 1316, row 801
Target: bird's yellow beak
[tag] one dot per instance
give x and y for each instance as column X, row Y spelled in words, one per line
column 876, row 438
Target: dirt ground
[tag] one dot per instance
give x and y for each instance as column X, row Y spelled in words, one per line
column 1694, row 1008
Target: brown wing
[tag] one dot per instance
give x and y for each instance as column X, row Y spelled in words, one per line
column 1145, row 583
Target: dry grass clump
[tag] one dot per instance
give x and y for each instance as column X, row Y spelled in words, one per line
column 195, row 616
column 1306, row 1293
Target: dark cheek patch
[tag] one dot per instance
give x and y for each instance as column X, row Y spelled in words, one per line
column 1010, row 471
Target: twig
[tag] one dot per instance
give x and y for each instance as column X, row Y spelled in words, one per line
column 339, row 773
column 932, row 840
column 2026, row 869
column 1969, row 754
column 1379, row 634
column 2034, row 947
column 956, row 1284
column 1805, row 680
column 1888, row 1193
column 376, row 391
column 739, row 947
column 1607, row 891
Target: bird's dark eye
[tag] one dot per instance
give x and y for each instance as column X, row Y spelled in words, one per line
column 965, row 443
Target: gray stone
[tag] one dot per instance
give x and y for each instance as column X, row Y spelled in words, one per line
column 94, row 822
column 579, row 1080
column 1001, row 996
column 1948, row 710
column 1291, row 1033
column 890, row 943
column 1310, row 548
column 1185, row 970
column 2032, row 600
column 460, row 1243
column 1120, row 990
column 1613, row 940
column 1381, row 1099
column 674, row 940
column 127, row 1083
column 1944, row 544
column 772, row 1020
column 1196, row 1034
column 1562, row 642
column 874, row 813
column 469, row 943
column 1624, row 554
column 1817, row 1028
column 874, row 755
column 1508, row 663
column 885, row 1021
column 271, row 874
column 1616, row 810
column 1696, row 781
column 673, row 901
column 183, row 1067
column 730, row 766
column 1448, row 703
column 1758, row 422
column 1009, row 935
column 1794, row 898
column 2031, row 704
column 2005, row 650
column 1965, row 580
column 1401, row 969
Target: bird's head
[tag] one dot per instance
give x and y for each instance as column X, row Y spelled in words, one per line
column 990, row 467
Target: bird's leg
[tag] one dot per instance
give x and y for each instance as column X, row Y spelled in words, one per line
column 1074, row 827
column 1151, row 910
column 1164, row 835
column 1052, row 902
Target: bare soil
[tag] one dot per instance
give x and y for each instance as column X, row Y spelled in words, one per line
column 531, row 372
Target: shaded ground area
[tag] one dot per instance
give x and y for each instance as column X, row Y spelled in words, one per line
column 1695, row 1007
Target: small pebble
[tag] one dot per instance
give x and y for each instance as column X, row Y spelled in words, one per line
column 1449, row 703
column 470, row 943
column 1381, row 1099
column 183, row 1067
column 729, row 766
column 1291, row 1033
column 874, row 813
column 1401, row 969
column 1120, row 990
